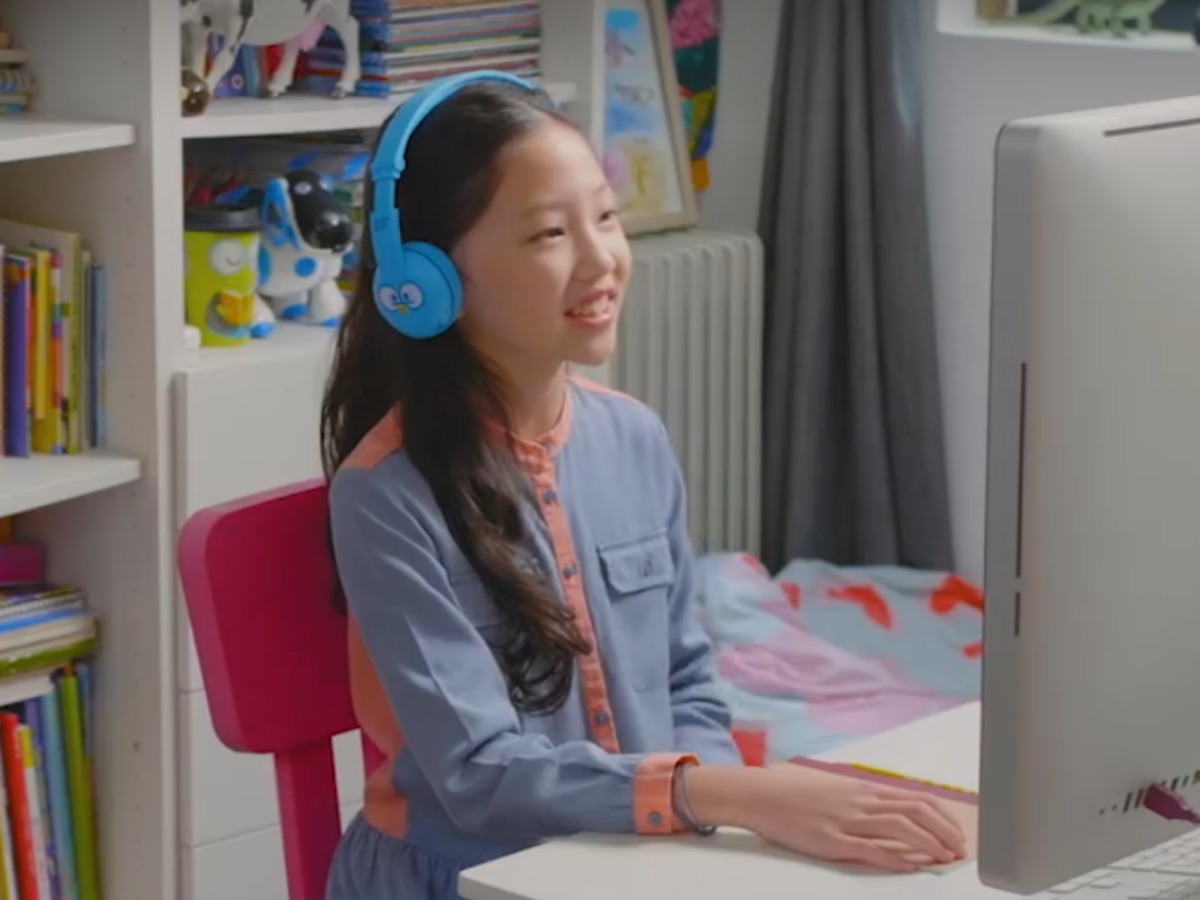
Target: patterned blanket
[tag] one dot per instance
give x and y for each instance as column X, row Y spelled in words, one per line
column 820, row 655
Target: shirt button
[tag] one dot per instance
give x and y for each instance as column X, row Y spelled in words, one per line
column 570, row 571
column 602, row 717
column 549, row 496
column 656, row 819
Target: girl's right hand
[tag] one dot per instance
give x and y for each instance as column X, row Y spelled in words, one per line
column 831, row 817
column 841, row 819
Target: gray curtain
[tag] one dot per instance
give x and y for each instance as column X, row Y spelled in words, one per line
column 854, row 462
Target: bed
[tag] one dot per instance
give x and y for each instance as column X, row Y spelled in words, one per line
column 820, row 655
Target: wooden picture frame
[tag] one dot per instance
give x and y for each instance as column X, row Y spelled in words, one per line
column 643, row 143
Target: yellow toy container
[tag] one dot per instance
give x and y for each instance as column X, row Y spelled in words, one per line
column 221, row 272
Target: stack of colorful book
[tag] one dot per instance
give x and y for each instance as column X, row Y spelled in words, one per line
column 48, row 846
column 52, row 355
column 405, row 44
column 48, row 833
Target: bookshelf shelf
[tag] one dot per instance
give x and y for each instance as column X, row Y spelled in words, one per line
column 287, row 343
column 34, row 136
column 246, row 116
column 38, row 481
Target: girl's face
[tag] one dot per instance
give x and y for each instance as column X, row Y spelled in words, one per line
column 545, row 268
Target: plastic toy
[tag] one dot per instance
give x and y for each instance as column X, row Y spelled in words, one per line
column 297, row 24
column 221, row 246
column 306, row 234
column 193, row 93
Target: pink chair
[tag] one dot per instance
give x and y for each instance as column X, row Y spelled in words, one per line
column 259, row 581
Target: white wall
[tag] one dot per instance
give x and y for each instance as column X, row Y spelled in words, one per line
column 749, row 34
column 973, row 85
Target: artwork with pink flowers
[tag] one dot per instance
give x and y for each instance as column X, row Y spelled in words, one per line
column 696, row 42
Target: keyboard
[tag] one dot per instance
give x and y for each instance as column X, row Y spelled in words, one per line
column 1170, row 871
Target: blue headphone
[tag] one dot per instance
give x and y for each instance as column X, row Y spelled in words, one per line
column 417, row 288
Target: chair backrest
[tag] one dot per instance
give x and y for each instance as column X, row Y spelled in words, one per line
column 258, row 577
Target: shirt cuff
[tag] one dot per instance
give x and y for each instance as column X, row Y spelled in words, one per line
column 654, row 793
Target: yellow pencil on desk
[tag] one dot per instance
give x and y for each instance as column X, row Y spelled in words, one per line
column 899, row 776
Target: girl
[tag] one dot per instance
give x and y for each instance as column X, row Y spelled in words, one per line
column 512, row 542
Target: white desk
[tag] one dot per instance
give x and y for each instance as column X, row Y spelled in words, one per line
column 944, row 748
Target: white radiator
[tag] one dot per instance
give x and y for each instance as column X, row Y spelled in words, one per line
column 691, row 347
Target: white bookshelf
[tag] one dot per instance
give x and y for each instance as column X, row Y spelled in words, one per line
column 299, row 114
column 180, row 817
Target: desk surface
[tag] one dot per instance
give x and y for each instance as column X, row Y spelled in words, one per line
column 943, row 748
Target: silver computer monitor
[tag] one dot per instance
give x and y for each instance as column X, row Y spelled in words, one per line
column 1091, row 674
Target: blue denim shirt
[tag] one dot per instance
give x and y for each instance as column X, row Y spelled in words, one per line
column 469, row 777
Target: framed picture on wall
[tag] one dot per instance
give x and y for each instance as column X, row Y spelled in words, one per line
column 1097, row 19
column 644, row 143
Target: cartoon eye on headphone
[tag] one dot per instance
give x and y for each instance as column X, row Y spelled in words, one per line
column 408, row 298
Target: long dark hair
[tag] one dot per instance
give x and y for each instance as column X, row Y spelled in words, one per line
column 445, row 392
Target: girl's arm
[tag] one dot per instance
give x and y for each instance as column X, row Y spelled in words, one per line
column 702, row 719
column 450, row 696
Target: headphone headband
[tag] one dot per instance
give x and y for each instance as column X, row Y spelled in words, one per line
column 417, row 288
column 389, row 161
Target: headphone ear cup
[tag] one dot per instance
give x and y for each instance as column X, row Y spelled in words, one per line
column 429, row 299
column 448, row 294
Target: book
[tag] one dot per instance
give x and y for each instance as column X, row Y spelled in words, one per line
column 97, row 358
column 47, row 802
column 29, row 244
column 37, row 823
column 60, row 800
column 19, row 806
column 8, row 866
column 403, row 46
column 80, row 786
column 53, row 342
column 22, row 563
column 19, row 324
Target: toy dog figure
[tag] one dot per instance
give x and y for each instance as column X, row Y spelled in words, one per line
column 306, row 234
column 297, row 24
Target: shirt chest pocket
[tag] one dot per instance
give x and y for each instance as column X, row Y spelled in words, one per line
column 639, row 574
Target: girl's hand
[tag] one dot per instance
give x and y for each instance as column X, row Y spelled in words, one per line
column 841, row 819
column 829, row 817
